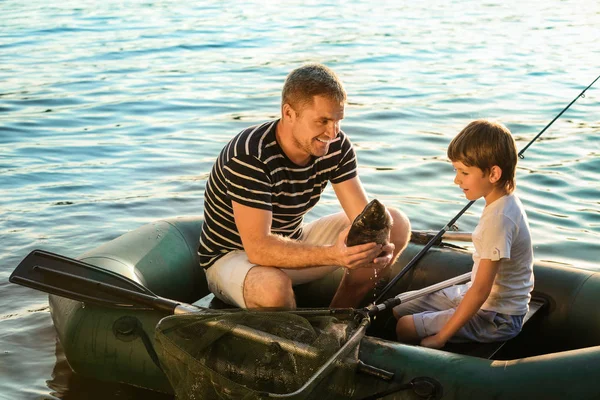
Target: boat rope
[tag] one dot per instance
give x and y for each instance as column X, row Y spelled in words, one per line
column 394, row 301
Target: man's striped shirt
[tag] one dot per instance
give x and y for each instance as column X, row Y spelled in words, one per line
column 253, row 170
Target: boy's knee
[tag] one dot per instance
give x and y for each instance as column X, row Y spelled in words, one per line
column 403, row 322
column 405, row 329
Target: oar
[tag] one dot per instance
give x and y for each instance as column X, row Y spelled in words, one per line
column 439, row 235
column 78, row 280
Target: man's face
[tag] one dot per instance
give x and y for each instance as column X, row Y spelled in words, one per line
column 316, row 125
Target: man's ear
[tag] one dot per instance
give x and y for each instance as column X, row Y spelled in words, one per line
column 288, row 113
column 495, row 174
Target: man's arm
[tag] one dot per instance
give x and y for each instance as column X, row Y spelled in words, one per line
column 470, row 304
column 268, row 249
column 351, row 196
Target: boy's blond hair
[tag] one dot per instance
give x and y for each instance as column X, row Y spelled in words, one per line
column 483, row 144
column 310, row 80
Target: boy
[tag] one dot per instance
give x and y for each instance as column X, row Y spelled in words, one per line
column 491, row 307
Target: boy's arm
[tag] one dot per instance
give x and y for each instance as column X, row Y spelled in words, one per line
column 470, row 304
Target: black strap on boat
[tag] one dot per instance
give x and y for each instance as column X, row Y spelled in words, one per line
column 129, row 328
column 423, row 386
column 439, row 235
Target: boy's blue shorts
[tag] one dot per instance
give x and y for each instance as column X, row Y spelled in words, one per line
column 431, row 312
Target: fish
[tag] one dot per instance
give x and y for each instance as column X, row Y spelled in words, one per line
column 373, row 224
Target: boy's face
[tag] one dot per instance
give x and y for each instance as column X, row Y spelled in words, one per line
column 475, row 183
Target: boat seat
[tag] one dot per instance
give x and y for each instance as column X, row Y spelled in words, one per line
column 488, row 350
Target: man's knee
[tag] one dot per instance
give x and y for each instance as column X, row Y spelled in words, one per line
column 400, row 234
column 268, row 287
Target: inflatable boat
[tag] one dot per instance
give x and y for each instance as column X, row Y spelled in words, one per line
column 556, row 356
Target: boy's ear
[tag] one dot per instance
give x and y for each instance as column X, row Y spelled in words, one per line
column 495, row 174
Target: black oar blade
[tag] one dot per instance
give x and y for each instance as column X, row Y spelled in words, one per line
column 77, row 280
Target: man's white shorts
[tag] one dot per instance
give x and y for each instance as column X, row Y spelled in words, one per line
column 227, row 275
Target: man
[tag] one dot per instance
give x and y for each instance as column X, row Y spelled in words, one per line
column 254, row 245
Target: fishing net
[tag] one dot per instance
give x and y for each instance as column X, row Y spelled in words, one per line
column 255, row 355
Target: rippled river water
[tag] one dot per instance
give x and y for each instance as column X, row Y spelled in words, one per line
column 112, row 112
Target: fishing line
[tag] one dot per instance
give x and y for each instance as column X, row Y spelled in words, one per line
column 392, row 302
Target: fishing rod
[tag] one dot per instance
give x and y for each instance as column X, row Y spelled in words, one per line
column 374, row 308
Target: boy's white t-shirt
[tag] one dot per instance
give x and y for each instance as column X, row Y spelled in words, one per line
column 503, row 234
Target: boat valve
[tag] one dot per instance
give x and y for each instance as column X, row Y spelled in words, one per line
column 126, row 328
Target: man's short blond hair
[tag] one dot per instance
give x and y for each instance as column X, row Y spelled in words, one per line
column 310, row 80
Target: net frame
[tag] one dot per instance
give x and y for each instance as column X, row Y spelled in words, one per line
column 242, row 354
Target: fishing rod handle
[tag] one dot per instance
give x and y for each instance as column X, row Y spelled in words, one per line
column 414, row 294
column 424, row 250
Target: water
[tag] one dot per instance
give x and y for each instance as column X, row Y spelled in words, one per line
column 111, row 114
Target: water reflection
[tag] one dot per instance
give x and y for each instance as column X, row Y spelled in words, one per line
column 67, row 385
column 113, row 113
